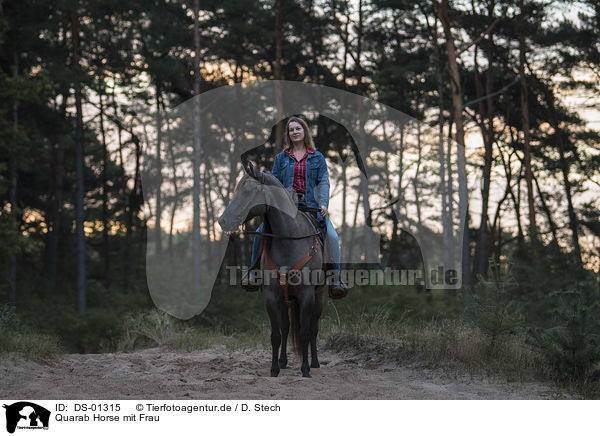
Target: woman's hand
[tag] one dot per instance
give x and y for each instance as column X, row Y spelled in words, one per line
column 323, row 211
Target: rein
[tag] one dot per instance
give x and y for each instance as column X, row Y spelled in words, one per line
column 280, row 236
column 302, row 208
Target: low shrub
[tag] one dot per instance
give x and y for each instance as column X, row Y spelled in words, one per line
column 16, row 337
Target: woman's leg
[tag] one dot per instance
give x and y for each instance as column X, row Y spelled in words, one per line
column 333, row 242
column 338, row 288
column 256, row 245
column 248, row 277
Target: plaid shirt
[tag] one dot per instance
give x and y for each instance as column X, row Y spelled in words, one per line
column 299, row 171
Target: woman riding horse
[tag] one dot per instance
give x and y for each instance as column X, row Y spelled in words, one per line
column 302, row 170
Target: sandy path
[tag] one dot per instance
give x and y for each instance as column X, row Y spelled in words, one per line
column 217, row 373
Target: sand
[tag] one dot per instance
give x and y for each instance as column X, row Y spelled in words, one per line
column 219, row 373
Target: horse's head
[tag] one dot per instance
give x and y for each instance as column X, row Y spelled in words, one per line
column 253, row 194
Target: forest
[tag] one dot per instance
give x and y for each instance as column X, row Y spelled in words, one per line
column 499, row 100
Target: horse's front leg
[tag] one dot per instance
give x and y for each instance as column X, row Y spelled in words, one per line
column 306, row 308
column 273, row 309
column 285, row 330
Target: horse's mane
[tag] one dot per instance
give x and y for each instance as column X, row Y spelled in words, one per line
column 263, row 178
column 270, row 179
column 267, row 179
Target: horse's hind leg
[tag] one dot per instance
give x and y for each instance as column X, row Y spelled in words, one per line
column 275, row 317
column 314, row 360
column 314, row 330
column 285, row 330
column 306, row 308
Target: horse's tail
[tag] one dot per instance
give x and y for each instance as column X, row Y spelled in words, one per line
column 295, row 326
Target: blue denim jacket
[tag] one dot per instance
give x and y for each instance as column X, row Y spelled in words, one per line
column 317, row 176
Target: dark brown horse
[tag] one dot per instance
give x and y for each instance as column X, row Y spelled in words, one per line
column 293, row 239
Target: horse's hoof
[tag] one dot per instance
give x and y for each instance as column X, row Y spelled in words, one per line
column 315, row 364
column 274, row 372
column 307, row 375
column 282, row 365
column 305, row 370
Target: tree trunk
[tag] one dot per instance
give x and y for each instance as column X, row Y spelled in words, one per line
column 564, row 167
column 105, row 247
column 54, row 231
column 197, row 156
column 175, row 187
column 344, row 203
column 441, row 8
column 526, row 127
column 446, row 216
column 12, row 197
column 487, row 132
column 415, row 182
column 157, row 224
column 133, row 206
column 515, row 199
column 354, row 221
column 551, row 223
column 364, row 186
column 450, row 180
column 207, row 213
column 277, row 73
column 79, row 163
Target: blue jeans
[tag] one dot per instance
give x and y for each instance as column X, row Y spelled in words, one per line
column 333, row 242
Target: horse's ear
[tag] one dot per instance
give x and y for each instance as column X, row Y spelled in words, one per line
column 249, row 168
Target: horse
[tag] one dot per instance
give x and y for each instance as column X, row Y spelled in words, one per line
column 291, row 304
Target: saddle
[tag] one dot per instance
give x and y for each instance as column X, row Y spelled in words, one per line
column 312, row 213
column 319, row 225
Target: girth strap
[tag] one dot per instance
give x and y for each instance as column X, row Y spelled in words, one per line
column 284, row 276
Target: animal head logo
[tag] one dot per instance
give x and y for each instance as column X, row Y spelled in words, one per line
column 395, row 166
column 26, row 415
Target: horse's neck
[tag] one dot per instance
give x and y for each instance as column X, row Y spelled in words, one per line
column 285, row 225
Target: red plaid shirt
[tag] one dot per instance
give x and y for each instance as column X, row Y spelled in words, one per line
column 299, row 171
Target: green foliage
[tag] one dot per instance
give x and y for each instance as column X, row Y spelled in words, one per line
column 54, row 312
column 492, row 310
column 9, row 322
column 96, row 331
column 571, row 342
column 16, row 337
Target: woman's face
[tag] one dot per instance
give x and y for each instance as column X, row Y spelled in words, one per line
column 296, row 132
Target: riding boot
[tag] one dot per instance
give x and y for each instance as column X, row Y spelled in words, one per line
column 338, row 289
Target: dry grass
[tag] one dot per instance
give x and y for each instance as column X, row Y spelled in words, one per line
column 31, row 346
column 454, row 346
column 450, row 345
column 157, row 328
